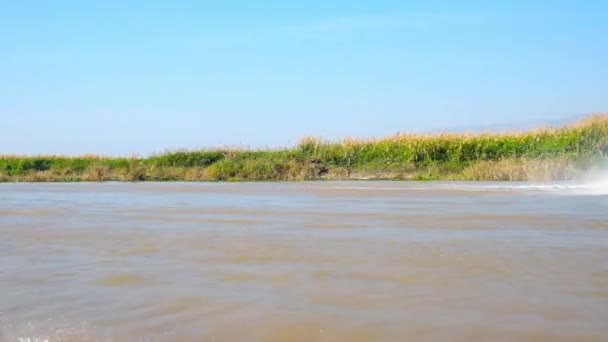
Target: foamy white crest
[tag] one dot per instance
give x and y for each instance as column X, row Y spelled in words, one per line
column 595, row 182
column 46, row 331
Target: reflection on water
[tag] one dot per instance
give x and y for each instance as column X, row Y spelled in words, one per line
column 317, row 261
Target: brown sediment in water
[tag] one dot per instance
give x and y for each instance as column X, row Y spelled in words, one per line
column 432, row 261
column 121, row 280
column 29, row 212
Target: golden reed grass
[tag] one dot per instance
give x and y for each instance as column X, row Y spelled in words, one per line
column 537, row 154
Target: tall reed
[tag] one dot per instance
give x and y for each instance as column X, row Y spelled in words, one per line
column 550, row 153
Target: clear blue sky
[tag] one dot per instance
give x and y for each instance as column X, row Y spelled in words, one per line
column 122, row 77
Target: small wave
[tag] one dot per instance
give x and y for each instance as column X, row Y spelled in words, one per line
column 47, row 331
column 562, row 188
column 573, row 188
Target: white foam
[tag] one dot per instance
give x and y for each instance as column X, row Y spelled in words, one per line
column 593, row 183
column 592, row 187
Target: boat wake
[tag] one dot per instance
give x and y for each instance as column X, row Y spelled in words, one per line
column 591, row 185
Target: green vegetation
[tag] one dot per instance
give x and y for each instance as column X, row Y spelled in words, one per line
column 547, row 154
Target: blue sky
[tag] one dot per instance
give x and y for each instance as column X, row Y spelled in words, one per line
column 124, row 77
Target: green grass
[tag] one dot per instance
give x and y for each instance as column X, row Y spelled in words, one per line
column 556, row 153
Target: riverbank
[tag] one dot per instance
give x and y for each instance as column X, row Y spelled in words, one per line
column 542, row 154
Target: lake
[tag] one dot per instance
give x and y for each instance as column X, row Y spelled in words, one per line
column 309, row 261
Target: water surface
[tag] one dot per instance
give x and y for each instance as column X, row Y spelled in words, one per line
column 319, row 261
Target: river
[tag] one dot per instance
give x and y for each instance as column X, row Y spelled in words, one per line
column 309, row 261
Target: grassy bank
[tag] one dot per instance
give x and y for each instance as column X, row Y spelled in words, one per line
column 544, row 154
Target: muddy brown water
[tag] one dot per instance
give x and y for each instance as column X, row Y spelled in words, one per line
column 318, row 261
